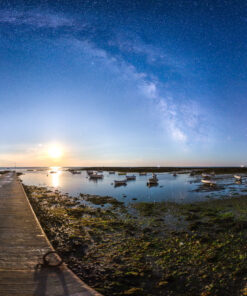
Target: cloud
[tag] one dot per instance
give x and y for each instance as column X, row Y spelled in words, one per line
column 88, row 48
column 35, row 18
column 146, row 87
column 130, row 43
column 180, row 117
column 177, row 134
column 149, row 89
column 170, row 120
column 185, row 120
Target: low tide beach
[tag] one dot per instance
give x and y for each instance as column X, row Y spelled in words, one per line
column 143, row 247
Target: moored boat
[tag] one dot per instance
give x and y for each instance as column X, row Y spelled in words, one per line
column 238, row 177
column 153, row 181
column 111, row 172
column 121, row 173
column 74, row 172
column 208, row 182
column 120, row 182
column 96, row 176
column 129, row 178
column 142, row 174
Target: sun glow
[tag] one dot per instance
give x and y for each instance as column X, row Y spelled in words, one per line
column 55, row 152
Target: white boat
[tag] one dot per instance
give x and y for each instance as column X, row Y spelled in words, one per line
column 129, row 178
column 89, row 172
column 208, row 182
column 95, row 176
column 205, row 175
column 237, row 177
column 120, row 182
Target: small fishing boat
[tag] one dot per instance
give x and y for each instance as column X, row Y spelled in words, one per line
column 153, row 181
column 142, row 174
column 130, row 178
column 237, row 177
column 74, row 172
column 96, row 176
column 208, row 182
column 120, row 182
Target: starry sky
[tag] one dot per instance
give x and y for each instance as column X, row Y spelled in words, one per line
column 119, row 82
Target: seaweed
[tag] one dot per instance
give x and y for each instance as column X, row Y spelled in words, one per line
column 148, row 248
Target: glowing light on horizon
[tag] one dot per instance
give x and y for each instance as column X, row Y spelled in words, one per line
column 55, row 152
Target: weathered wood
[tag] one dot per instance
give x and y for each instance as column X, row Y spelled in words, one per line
column 22, row 245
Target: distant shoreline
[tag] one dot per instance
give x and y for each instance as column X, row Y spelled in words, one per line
column 195, row 170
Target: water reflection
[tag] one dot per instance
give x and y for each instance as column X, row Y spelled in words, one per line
column 183, row 188
column 55, row 176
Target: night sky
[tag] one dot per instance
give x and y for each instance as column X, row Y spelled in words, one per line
column 124, row 82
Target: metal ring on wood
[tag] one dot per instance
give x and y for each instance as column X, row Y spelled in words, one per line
column 46, row 262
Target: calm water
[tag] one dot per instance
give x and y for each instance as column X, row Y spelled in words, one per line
column 182, row 188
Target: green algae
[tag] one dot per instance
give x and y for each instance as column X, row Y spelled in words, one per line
column 149, row 248
column 101, row 200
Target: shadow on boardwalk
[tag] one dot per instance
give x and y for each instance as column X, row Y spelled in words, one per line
column 42, row 275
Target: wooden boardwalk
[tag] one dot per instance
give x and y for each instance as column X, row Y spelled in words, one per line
column 22, row 245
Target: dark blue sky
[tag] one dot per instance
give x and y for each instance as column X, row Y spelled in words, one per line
column 124, row 82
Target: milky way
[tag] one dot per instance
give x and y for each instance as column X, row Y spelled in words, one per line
column 125, row 82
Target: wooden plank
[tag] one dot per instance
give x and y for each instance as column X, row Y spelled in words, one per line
column 22, row 245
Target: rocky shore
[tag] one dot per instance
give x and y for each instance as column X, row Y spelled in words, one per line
column 148, row 248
